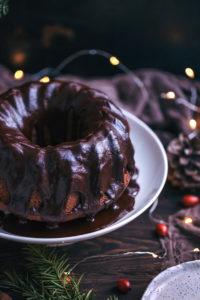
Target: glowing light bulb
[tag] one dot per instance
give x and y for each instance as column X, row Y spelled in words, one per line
column 45, row 79
column 170, row 95
column 188, row 220
column 154, row 255
column 189, row 72
column 196, row 250
column 114, row 61
column 193, row 124
column 19, row 74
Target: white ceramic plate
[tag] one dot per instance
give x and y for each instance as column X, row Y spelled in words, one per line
column 151, row 161
column 180, row 282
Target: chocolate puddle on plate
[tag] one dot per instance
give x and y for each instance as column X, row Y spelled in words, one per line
column 125, row 204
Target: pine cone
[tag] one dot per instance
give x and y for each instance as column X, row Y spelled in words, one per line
column 184, row 161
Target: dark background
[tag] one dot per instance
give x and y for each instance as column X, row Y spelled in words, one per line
column 142, row 33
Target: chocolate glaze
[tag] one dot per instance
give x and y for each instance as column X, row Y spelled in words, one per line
column 125, row 204
column 66, row 146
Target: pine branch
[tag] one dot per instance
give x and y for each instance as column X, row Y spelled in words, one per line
column 47, row 277
column 112, row 298
column 4, row 8
column 21, row 285
column 44, row 279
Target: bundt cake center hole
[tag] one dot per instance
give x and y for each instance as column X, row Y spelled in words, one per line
column 55, row 127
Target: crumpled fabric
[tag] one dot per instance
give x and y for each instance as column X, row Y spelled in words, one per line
column 182, row 238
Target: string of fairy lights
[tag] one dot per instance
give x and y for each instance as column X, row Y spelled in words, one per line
column 191, row 104
column 169, row 95
column 113, row 60
column 129, row 253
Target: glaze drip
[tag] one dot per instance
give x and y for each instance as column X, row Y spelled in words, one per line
column 65, row 151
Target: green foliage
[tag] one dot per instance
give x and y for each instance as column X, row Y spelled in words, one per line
column 112, row 298
column 4, row 7
column 44, row 278
column 47, row 277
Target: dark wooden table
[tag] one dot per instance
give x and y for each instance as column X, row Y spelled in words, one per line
column 101, row 274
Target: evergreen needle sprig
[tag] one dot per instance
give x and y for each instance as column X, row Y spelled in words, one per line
column 4, row 8
column 46, row 277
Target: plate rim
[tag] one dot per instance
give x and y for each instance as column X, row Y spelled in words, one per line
column 159, row 277
column 112, row 227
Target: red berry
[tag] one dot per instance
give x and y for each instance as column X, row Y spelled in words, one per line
column 123, row 285
column 190, row 200
column 161, row 229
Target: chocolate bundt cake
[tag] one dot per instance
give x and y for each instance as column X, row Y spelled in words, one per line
column 65, row 151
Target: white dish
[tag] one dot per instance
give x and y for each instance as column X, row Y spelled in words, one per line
column 180, row 282
column 151, row 161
